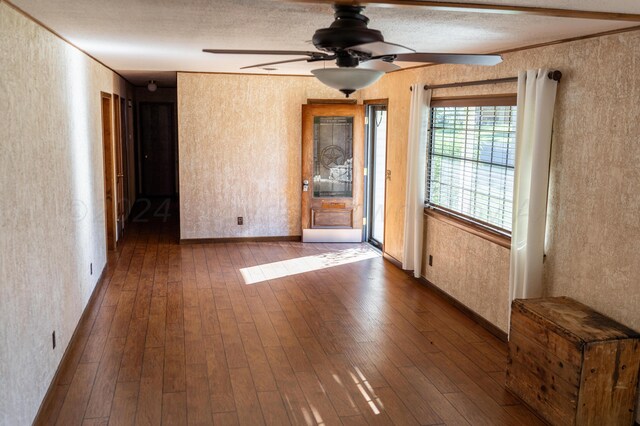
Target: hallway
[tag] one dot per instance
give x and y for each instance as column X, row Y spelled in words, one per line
column 273, row 333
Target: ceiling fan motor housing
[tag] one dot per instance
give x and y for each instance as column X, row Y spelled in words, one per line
column 349, row 29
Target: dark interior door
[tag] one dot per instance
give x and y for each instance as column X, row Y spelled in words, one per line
column 157, row 149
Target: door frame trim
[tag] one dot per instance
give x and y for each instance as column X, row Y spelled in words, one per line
column 108, row 170
column 119, row 170
column 385, row 103
column 356, row 201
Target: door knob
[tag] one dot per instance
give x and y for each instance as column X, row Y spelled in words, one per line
column 305, row 185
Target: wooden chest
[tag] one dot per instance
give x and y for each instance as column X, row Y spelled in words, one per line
column 573, row 365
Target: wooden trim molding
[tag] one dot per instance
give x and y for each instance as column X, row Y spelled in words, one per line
column 331, row 101
column 502, row 9
column 505, row 99
column 266, row 74
column 392, row 259
column 41, row 24
column 570, row 39
column 92, row 306
column 240, row 239
column 376, row 102
column 483, row 322
column 538, row 45
column 109, row 172
column 469, row 227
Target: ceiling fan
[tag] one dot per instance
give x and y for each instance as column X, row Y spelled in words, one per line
column 360, row 53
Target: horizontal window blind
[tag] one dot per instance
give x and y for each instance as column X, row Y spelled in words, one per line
column 471, row 162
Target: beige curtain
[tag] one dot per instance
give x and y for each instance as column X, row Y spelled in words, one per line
column 536, row 99
column 416, row 165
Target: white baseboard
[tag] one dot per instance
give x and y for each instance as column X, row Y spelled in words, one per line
column 331, row 235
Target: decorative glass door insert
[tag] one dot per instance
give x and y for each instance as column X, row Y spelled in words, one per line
column 332, row 157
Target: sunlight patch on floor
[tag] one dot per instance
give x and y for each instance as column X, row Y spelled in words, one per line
column 316, row 415
column 370, row 396
column 300, row 265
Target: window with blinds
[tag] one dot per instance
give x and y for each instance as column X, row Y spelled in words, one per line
column 471, row 160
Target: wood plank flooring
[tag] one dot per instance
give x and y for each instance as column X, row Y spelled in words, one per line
column 325, row 334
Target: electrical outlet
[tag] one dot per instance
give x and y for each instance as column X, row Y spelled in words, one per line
column 91, row 268
column 53, row 339
column 430, row 260
column 240, row 220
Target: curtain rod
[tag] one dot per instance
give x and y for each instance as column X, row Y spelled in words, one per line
column 552, row 75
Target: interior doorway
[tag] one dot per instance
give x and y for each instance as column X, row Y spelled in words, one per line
column 117, row 133
column 158, row 149
column 375, row 171
column 124, row 150
column 108, row 162
column 332, row 172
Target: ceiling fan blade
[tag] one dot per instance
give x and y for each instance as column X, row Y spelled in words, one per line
column 265, row 52
column 275, row 63
column 450, row 58
column 381, row 48
column 379, row 66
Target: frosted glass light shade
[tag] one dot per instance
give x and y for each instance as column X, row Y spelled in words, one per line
column 350, row 79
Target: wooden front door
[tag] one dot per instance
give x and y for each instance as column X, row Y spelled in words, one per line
column 332, row 172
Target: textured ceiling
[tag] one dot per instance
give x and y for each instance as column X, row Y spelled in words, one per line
column 618, row 6
column 167, row 35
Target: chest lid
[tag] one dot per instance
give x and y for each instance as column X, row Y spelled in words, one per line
column 573, row 320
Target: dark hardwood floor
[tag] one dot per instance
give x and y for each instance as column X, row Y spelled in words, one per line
column 323, row 334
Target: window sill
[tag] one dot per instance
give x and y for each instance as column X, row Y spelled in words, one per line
column 472, row 228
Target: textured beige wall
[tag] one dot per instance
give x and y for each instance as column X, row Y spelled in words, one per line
column 52, row 213
column 239, row 147
column 395, row 88
column 468, row 268
column 594, row 231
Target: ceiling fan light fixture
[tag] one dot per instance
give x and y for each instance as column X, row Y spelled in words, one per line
column 347, row 80
column 152, row 86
